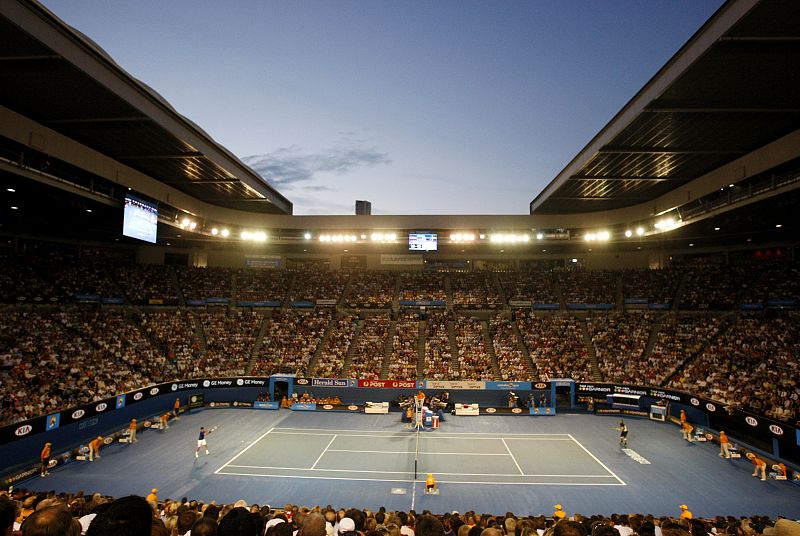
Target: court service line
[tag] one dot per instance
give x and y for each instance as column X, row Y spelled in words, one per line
column 512, row 457
column 245, row 450
column 426, row 453
column 441, row 481
column 324, row 451
column 598, row 461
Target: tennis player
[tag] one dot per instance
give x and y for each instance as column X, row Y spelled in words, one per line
column 201, row 442
column 623, row 434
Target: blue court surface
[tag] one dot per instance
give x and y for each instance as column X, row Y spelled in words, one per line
column 490, row 464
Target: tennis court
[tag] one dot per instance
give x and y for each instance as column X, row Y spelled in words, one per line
column 522, row 459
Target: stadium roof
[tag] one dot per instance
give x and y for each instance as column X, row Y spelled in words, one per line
column 62, row 81
column 713, row 138
column 731, row 90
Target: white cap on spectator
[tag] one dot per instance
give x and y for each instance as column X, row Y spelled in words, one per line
column 346, row 525
column 272, row 522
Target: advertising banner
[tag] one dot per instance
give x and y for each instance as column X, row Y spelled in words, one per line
column 468, row 385
column 508, row 386
column 407, row 260
column 196, row 401
column 388, row 384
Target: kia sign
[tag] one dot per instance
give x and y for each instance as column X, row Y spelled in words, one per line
column 775, row 429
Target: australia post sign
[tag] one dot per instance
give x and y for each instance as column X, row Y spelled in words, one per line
column 388, row 384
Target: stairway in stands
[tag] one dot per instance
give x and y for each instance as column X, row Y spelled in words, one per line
column 421, row 348
column 387, row 350
column 522, row 346
column 676, row 300
column 653, row 339
column 587, row 339
column 200, row 333
column 487, row 340
column 254, row 352
column 173, row 276
column 352, row 349
column 451, row 334
column 448, row 290
column 312, row 363
column 562, row 302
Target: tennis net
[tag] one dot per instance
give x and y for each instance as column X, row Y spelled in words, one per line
column 416, row 456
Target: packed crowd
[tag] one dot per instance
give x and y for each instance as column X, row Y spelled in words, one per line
column 204, row 283
column 438, row 356
column 679, row 338
column 511, row 362
column 776, row 281
column 715, row 287
column 229, row 340
column 370, row 351
column 313, row 285
column 260, row 285
column 290, row 341
column 405, row 348
column 474, row 362
column 651, row 286
column 174, row 333
column 68, row 514
column 63, row 274
column 619, row 341
column 56, row 357
column 475, row 290
column 752, row 365
column 534, row 287
column 147, row 284
column 556, row 345
column 53, row 360
column 85, row 277
column 371, row 290
column 415, row 286
column 336, row 347
column 590, row 286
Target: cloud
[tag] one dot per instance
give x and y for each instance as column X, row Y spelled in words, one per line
column 288, row 166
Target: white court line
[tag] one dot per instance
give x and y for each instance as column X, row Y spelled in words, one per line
column 512, row 456
column 391, row 432
column 436, row 437
column 425, row 453
column 441, row 481
column 598, row 461
column 406, row 472
column 245, row 450
column 324, row 451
